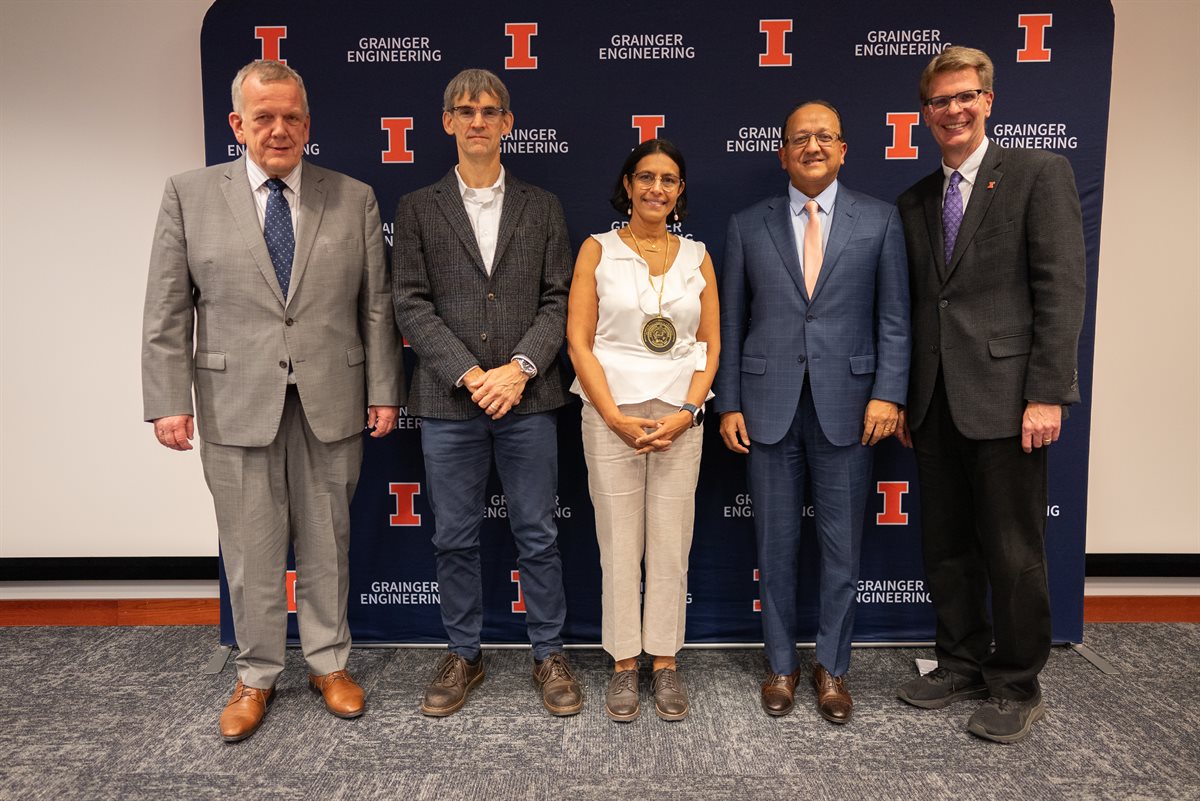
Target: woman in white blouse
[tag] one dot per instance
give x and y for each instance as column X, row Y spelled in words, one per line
column 644, row 336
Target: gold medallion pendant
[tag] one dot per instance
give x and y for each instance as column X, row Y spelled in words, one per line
column 658, row 334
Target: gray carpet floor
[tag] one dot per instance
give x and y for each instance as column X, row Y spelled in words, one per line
column 127, row 713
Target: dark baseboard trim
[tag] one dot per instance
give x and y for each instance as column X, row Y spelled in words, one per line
column 1149, row 565
column 109, row 568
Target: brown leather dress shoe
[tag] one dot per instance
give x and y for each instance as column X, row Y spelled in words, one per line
column 245, row 711
column 452, row 681
column 779, row 692
column 561, row 693
column 343, row 695
column 833, row 699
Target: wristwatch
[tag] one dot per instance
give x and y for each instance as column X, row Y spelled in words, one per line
column 527, row 367
column 697, row 413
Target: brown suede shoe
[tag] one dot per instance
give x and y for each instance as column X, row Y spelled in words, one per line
column 343, row 695
column 245, row 711
column 452, row 681
column 779, row 693
column 833, row 699
column 561, row 693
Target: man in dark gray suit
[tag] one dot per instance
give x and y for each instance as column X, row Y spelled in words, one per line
column 996, row 263
column 268, row 293
column 481, row 268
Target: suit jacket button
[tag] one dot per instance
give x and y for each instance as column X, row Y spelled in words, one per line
column 800, row 359
column 810, row 318
column 289, row 321
column 943, row 303
column 933, row 348
column 483, row 336
column 491, row 296
column 283, row 364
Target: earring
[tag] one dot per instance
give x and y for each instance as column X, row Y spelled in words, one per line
column 676, row 214
column 629, row 211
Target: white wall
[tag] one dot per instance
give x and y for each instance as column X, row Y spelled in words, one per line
column 100, row 101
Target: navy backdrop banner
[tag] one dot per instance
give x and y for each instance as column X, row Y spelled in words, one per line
column 589, row 82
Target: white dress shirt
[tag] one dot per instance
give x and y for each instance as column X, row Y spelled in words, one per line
column 483, row 208
column 969, row 170
column 291, row 193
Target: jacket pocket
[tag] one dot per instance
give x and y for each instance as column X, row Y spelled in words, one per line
column 209, row 360
column 754, row 365
column 355, row 355
column 1012, row 345
column 995, row 230
column 861, row 365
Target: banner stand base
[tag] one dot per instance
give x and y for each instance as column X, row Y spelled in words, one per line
column 216, row 662
column 1101, row 664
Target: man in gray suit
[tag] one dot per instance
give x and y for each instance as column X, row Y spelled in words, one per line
column 278, row 267
column 996, row 261
column 480, row 269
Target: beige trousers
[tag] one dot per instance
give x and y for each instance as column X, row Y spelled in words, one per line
column 645, row 506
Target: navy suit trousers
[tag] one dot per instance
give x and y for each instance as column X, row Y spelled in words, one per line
column 840, row 480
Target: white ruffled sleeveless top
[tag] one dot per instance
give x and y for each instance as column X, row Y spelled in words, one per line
column 627, row 301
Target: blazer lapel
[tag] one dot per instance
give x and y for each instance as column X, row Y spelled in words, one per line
column 779, row 227
column 312, row 208
column 932, row 193
column 515, row 198
column 981, row 198
column 840, row 229
column 450, row 201
column 236, row 189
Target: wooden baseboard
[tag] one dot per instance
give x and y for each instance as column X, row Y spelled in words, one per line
column 207, row 611
column 112, row 612
column 1141, row 609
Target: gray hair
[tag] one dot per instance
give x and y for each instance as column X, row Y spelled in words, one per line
column 473, row 83
column 267, row 72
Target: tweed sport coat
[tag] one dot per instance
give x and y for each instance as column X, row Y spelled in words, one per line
column 456, row 316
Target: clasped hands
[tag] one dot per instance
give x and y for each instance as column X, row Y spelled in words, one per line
column 645, row 435
column 497, row 390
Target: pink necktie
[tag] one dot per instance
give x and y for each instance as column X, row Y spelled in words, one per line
column 812, row 248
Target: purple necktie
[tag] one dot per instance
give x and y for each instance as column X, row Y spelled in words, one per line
column 952, row 214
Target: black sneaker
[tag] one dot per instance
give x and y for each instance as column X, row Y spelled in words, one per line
column 1006, row 721
column 939, row 688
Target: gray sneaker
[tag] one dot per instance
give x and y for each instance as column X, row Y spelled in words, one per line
column 621, row 701
column 670, row 696
column 1006, row 721
column 940, row 688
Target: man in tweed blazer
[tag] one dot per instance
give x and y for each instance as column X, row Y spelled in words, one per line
column 813, row 368
column 290, row 348
column 481, row 267
column 995, row 332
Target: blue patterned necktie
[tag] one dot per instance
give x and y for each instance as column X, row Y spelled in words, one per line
column 952, row 214
column 277, row 230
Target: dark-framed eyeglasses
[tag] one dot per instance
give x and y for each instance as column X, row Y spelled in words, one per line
column 647, row 180
column 467, row 113
column 824, row 138
column 964, row 99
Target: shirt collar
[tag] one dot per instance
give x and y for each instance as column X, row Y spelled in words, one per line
column 970, row 166
column 258, row 176
column 481, row 196
column 825, row 200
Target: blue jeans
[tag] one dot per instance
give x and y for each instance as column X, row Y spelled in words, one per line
column 458, row 458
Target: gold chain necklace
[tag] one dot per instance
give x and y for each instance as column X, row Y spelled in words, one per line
column 658, row 333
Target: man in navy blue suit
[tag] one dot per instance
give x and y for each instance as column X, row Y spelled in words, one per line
column 815, row 329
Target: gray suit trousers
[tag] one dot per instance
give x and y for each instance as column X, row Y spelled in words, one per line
column 295, row 490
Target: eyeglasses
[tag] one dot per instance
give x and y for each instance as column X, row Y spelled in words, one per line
column 467, row 113
column 824, row 138
column 964, row 99
column 647, row 180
